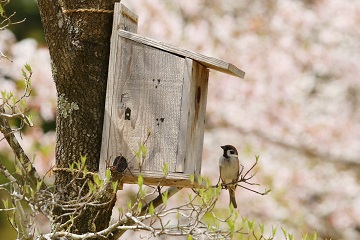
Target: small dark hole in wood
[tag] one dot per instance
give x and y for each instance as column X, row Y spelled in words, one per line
column 158, row 82
column 120, row 164
column 127, row 114
column 162, row 119
column 198, row 95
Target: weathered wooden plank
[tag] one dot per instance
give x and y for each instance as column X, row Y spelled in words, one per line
column 193, row 107
column 199, row 76
column 184, row 117
column 154, row 178
column 149, row 84
column 209, row 62
column 126, row 20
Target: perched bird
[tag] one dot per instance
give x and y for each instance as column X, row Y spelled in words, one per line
column 229, row 170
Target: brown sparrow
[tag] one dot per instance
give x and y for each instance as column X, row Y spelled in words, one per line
column 229, row 170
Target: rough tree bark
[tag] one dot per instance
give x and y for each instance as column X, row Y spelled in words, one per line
column 78, row 37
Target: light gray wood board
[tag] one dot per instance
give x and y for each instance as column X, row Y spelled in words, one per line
column 154, row 97
column 193, row 111
column 152, row 84
column 209, row 62
column 153, row 178
column 126, row 20
column 200, row 76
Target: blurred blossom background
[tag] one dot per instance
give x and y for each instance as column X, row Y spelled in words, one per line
column 298, row 107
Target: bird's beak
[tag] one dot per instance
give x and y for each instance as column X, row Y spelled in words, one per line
column 223, row 147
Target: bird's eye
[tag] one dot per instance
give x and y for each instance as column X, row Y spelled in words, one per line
column 232, row 152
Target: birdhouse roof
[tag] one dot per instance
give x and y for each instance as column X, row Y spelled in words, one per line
column 208, row 62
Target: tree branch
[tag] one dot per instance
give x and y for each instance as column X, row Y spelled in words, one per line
column 22, row 158
column 155, row 202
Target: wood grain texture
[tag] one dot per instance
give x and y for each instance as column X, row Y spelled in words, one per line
column 193, row 111
column 197, row 109
column 126, row 20
column 154, row 178
column 208, row 62
column 150, row 89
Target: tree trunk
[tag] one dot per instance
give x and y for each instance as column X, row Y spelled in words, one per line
column 78, row 37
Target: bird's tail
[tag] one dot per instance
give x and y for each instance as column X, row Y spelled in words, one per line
column 232, row 197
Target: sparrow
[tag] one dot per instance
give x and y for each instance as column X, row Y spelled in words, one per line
column 229, row 170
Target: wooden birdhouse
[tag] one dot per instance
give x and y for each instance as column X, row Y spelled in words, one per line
column 155, row 105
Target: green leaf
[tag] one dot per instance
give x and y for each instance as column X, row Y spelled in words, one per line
column 14, row 100
column 28, row 68
column 217, row 224
column 115, row 184
column 207, row 183
column 236, row 215
column 273, row 230
column 315, row 235
column 72, row 219
column 241, row 237
column 231, row 225
column 6, row 203
column 164, row 197
column 27, row 189
column 138, row 155
column 139, row 207
column 1, row 11
column 38, row 185
column 129, row 204
column 232, row 209
column 97, row 179
column 199, row 180
column 24, row 74
column 284, row 232
column 85, row 171
column 262, row 229
column 3, row 94
column 304, row 237
column 107, row 174
column 189, row 237
column 143, row 150
column 23, row 104
column 9, row 95
column 165, row 168
column 140, row 181
column 251, row 224
column 190, row 196
column 91, row 186
column 83, row 160
column 12, row 220
column 151, row 209
column 192, row 178
column 142, row 192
